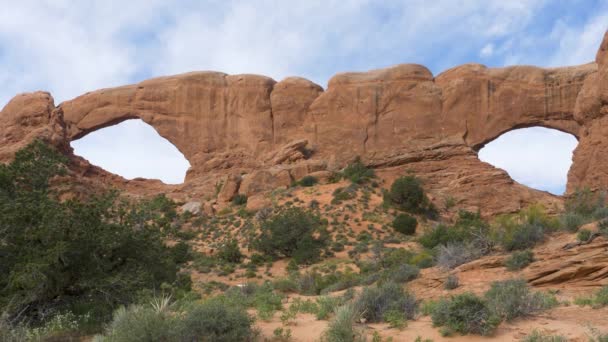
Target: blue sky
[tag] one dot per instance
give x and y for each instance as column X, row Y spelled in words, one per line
column 71, row 47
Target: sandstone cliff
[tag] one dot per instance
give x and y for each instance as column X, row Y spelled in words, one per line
column 252, row 134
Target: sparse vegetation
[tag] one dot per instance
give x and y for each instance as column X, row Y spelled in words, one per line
column 295, row 233
column 583, row 235
column 239, row 199
column 537, row 336
column 519, row 260
column 357, row 172
column 598, row 300
column 230, row 252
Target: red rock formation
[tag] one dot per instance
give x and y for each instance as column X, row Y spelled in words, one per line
column 397, row 119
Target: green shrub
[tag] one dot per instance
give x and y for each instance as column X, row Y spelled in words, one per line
column 376, row 301
column 344, row 194
column 583, row 235
column 465, row 314
column 519, row 260
column 239, row 199
column 230, row 252
column 80, row 256
column 215, row 321
column 295, row 233
column 598, row 300
column 307, row 181
column 263, row 298
column 572, row 221
column 181, row 252
column 469, row 228
column 357, row 172
column 341, row 328
column 327, row 305
column 403, row 273
column 510, row 299
column 211, row 320
column 523, row 237
column 537, row 336
column 405, row 224
column 406, row 193
column 584, row 202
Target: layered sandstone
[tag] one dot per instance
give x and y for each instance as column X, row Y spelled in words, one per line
column 253, row 134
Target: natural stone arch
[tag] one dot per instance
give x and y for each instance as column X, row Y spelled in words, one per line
column 114, row 149
column 530, row 164
column 402, row 117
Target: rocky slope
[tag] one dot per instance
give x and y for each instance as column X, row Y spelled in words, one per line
column 252, row 134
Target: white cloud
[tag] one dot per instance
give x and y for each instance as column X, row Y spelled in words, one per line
column 487, row 50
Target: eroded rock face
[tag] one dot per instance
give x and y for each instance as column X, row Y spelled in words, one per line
column 396, row 119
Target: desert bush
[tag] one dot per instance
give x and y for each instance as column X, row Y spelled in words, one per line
column 230, row 252
column 455, row 254
column 423, row 259
column 405, row 224
column 357, row 172
column 327, row 305
column 525, row 229
column 307, row 181
column 344, row 194
column 465, row 314
column 239, row 199
column 519, row 260
column 537, row 336
column 583, row 235
column 510, row 299
column 406, row 193
column 403, row 273
column 263, row 298
column 215, row 321
column 522, row 236
column 81, row 256
column 342, row 327
column 374, row 302
column 597, row 300
column 451, row 282
column 211, row 320
column 469, row 229
column 584, row 202
column 572, row 221
column 295, row 233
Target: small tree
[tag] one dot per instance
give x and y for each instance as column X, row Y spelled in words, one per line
column 293, row 232
column 230, row 252
column 405, row 224
column 407, row 194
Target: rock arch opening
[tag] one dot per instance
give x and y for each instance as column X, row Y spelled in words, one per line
column 133, row 149
column 537, row 157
